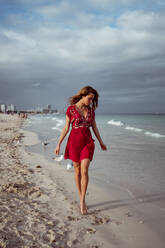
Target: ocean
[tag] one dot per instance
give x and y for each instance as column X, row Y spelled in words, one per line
column 135, row 159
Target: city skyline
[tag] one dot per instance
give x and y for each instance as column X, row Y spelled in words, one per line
column 4, row 108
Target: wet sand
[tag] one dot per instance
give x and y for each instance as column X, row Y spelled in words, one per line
column 39, row 202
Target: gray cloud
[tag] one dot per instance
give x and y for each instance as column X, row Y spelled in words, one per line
column 47, row 59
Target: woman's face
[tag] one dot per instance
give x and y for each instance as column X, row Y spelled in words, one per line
column 87, row 100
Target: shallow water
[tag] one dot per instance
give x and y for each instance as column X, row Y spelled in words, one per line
column 134, row 161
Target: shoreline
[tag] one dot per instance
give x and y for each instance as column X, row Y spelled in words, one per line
column 39, row 203
column 36, row 209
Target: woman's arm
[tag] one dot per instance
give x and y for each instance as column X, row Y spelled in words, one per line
column 63, row 134
column 97, row 134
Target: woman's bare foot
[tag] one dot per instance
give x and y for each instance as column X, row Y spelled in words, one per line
column 83, row 207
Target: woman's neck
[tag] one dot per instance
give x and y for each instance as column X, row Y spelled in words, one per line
column 81, row 105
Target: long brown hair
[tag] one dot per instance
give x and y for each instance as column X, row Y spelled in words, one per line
column 84, row 92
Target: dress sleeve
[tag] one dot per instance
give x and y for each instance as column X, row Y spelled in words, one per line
column 68, row 113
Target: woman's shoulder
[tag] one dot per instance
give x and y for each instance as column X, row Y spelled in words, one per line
column 70, row 107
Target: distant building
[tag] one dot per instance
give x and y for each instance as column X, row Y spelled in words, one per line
column 45, row 111
column 38, row 109
column 10, row 108
column 13, row 108
column 54, row 111
column 3, row 108
column 7, row 108
column 49, row 107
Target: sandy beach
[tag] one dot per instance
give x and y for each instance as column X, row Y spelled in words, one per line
column 39, row 202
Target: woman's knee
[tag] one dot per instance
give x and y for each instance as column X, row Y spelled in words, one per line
column 84, row 173
column 77, row 169
column 84, row 167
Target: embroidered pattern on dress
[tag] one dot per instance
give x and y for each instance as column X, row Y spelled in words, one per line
column 78, row 120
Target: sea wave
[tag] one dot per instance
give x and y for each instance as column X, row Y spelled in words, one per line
column 135, row 129
column 59, row 124
column 155, row 135
column 116, row 123
column 57, row 128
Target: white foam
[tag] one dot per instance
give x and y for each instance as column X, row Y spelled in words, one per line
column 57, row 128
column 116, row 123
column 60, row 123
column 155, row 135
column 133, row 129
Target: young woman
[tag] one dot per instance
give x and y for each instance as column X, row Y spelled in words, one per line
column 80, row 145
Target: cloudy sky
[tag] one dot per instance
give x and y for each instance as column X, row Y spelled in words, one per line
column 49, row 49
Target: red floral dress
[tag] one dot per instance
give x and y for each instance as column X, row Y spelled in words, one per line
column 80, row 144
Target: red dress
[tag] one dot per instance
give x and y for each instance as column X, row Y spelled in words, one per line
column 80, row 144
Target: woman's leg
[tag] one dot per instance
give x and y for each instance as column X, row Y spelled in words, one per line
column 84, row 184
column 77, row 176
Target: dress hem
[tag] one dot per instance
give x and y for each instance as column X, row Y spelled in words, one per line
column 79, row 160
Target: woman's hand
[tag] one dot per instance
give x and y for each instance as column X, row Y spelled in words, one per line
column 103, row 146
column 57, row 150
column 62, row 136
